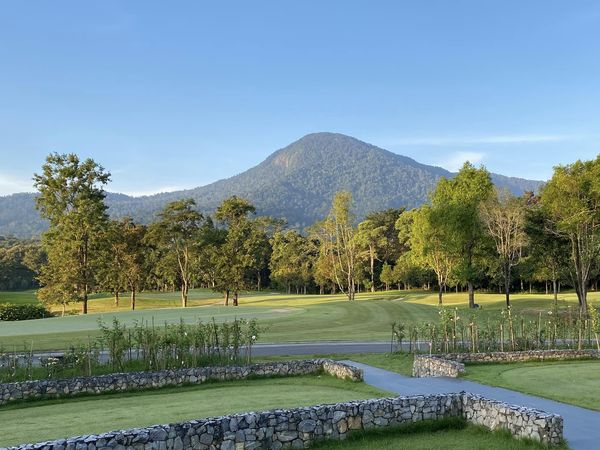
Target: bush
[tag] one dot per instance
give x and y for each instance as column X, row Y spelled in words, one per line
column 10, row 311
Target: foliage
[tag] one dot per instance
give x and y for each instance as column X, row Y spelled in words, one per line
column 71, row 198
column 504, row 218
column 455, row 206
column 174, row 235
column 145, row 346
column 572, row 201
column 339, row 245
column 11, row 311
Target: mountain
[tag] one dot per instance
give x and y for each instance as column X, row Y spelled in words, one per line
column 296, row 183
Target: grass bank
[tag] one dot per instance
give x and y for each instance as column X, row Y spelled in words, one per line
column 53, row 419
column 574, row 382
column 446, row 434
column 288, row 318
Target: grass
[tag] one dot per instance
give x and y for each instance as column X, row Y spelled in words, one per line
column 574, row 382
column 54, row 419
column 289, row 318
column 18, row 297
column 444, row 434
column 394, row 362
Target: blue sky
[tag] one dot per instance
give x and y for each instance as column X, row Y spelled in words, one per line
column 168, row 95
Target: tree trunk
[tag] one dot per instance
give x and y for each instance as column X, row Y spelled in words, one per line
column 507, row 283
column 471, row 294
column 555, row 289
column 184, row 294
column 235, row 298
column 133, row 299
column 226, row 302
column 116, row 298
column 372, row 271
column 440, row 292
column 64, row 309
column 84, row 307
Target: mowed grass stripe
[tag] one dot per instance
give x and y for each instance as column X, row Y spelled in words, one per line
column 44, row 420
column 288, row 318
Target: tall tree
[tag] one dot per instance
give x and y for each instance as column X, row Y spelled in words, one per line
column 175, row 234
column 134, row 263
column 236, row 257
column 293, row 259
column 339, row 244
column 429, row 249
column 71, row 198
column 455, row 206
column 548, row 249
column 504, row 219
column 377, row 241
column 572, row 201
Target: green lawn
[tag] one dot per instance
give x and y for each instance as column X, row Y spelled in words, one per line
column 289, row 318
column 18, row 297
column 575, row 382
column 397, row 362
column 53, row 419
column 432, row 436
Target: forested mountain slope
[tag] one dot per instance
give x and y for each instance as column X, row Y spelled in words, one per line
column 296, row 183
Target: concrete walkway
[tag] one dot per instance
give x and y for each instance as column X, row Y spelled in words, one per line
column 581, row 426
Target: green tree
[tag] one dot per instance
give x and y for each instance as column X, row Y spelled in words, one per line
column 504, row 218
column 134, row 263
column 71, row 198
column 293, row 259
column 455, row 216
column 236, row 257
column 175, row 235
column 388, row 276
column 339, row 244
column 429, row 249
column 548, row 249
column 572, row 201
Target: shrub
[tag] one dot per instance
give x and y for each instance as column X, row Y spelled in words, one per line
column 10, row 311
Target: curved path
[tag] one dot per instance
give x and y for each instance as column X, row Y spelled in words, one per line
column 581, row 426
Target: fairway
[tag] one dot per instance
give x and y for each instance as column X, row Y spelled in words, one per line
column 574, row 382
column 287, row 318
column 54, row 419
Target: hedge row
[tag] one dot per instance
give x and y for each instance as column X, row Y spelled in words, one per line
column 10, row 311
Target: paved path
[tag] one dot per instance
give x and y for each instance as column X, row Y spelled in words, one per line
column 581, row 426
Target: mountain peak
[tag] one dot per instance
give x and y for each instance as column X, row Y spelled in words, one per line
column 296, row 182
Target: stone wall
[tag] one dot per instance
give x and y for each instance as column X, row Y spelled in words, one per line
column 298, row 428
column 150, row 380
column 433, row 366
column 453, row 364
column 519, row 421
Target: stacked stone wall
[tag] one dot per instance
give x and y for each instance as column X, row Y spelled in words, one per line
column 119, row 382
column 453, row 364
column 300, row 427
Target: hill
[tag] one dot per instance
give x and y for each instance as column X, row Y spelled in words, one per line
column 296, row 183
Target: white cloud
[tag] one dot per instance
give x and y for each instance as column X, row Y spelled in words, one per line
column 454, row 161
column 9, row 184
column 474, row 140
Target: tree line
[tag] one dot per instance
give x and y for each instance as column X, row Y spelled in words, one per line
column 468, row 236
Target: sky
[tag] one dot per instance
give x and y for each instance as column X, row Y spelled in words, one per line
column 172, row 95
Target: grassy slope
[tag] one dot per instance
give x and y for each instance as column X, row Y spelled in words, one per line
column 289, row 318
column 431, row 436
column 53, row 419
column 574, row 382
